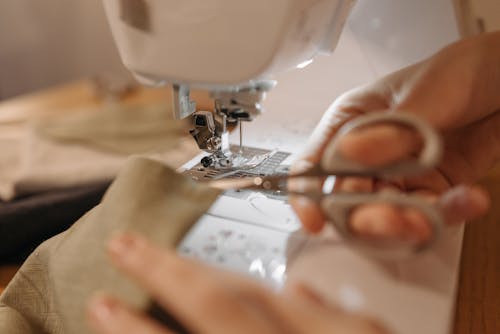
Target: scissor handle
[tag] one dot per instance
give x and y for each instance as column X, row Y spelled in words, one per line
column 339, row 206
column 429, row 155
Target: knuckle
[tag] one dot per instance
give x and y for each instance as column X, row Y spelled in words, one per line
column 162, row 267
column 208, row 294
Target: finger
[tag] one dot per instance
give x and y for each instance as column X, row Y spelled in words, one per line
column 381, row 221
column 109, row 316
column 372, row 220
column 457, row 205
column 309, row 213
column 345, row 108
column 464, row 203
column 304, row 293
column 326, row 129
column 354, row 184
column 348, row 106
column 386, row 222
column 188, row 290
column 375, row 145
column 303, row 312
column 433, row 180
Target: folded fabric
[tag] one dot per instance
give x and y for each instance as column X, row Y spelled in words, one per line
column 50, row 291
column 122, row 129
column 26, row 222
column 85, row 146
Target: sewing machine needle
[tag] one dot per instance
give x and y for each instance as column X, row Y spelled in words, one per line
column 241, row 137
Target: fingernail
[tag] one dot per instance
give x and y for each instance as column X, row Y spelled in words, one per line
column 102, row 309
column 369, row 223
column 310, row 214
column 122, row 245
column 301, row 166
column 296, row 185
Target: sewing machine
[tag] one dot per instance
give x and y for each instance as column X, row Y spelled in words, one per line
column 231, row 48
column 236, row 49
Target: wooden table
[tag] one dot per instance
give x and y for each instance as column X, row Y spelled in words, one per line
column 478, row 303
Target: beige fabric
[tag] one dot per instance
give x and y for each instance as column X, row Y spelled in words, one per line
column 49, row 292
column 116, row 128
column 85, row 146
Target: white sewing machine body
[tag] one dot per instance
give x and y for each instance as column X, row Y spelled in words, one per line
column 220, row 44
column 230, row 48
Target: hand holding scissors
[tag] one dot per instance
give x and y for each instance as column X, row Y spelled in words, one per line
column 340, row 208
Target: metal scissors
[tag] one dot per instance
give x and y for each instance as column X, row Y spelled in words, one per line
column 338, row 207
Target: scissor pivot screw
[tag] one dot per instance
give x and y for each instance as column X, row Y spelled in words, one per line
column 206, row 161
column 267, row 185
column 258, row 181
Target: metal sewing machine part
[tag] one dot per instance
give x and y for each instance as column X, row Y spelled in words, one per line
column 231, row 48
column 210, row 129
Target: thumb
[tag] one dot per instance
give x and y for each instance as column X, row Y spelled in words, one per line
column 373, row 97
column 376, row 145
column 350, row 105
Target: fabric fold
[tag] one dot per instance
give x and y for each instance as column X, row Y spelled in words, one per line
column 82, row 146
column 148, row 198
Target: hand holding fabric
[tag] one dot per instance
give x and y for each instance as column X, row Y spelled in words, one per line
column 206, row 300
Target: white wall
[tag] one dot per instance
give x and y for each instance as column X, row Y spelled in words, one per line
column 52, row 41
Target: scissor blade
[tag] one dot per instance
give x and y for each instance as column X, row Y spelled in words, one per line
column 233, row 184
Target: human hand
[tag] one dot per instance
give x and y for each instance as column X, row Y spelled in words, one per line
column 206, row 300
column 457, row 91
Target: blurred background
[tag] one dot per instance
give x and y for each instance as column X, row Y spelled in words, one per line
column 43, row 43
